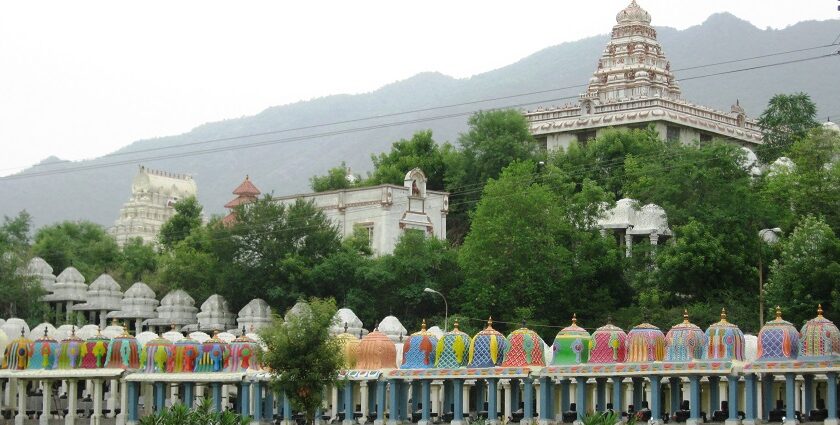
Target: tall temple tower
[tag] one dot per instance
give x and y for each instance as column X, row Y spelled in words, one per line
column 245, row 193
column 153, row 196
column 632, row 87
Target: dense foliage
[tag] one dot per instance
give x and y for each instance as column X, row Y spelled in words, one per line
column 179, row 414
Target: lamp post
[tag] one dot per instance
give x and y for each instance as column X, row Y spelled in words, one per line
column 445, row 306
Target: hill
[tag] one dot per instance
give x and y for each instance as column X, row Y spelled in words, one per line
column 96, row 192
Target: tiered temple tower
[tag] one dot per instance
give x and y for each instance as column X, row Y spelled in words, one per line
column 245, row 193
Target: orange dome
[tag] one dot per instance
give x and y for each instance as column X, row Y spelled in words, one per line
column 376, row 351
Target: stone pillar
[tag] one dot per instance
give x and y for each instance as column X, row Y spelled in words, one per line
column 479, row 396
column 405, row 415
column 628, row 246
column 349, row 408
column 601, row 394
column 380, row 403
column 581, row 397
column 492, row 409
column 638, row 393
column 674, row 384
column 148, row 397
column 655, row 399
column 46, row 402
column 714, row 394
column 72, row 402
column 528, row 396
column 160, row 396
column 133, row 401
column 508, row 400
column 766, row 396
column 268, row 412
column 21, row 399
column 732, row 400
column 425, row 418
column 808, row 397
column 112, row 397
column 515, row 396
column 216, row 390
column 123, row 402
column 365, row 400
column 750, row 414
column 564, row 396
column 189, row 394
column 831, row 398
column 258, row 403
column 618, row 406
column 69, row 311
column 790, row 399
column 96, row 416
column 694, row 400
column 245, row 398
column 458, row 402
column 393, row 416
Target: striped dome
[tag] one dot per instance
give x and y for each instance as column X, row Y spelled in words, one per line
column 778, row 339
column 244, row 354
column 525, row 348
column 350, row 347
column 684, row 341
column 93, row 351
column 724, row 341
column 452, row 349
column 419, row 350
column 158, row 354
column 609, row 345
column 123, row 352
column 572, row 345
column 487, row 347
column 44, row 353
column 645, row 343
column 18, row 353
column 819, row 337
column 185, row 354
column 70, row 351
column 376, row 351
column 213, row 356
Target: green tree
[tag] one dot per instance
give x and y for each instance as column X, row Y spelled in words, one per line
column 788, row 118
column 138, row 261
column 303, row 356
column 20, row 291
column 807, row 273
column 187, row 217
column 81, row 244
column 336, row 178
column 420, row 151
column 194, row 264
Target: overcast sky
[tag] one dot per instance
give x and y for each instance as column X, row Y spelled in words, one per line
column 79, row 79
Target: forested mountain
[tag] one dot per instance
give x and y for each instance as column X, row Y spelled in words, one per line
column 289, row 158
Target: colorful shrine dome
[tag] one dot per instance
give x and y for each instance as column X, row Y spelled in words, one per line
column 572, row 345
column 819, row 337
column 684, row 342
column 376, row 351
column 123, row 352
column 70, row 351
column 94, row 351
column 609, row 345
column 524, row 348
column 244, row 354
column 44, row 353
column 724, row 341
column 645, row 343
column 778, row 339
column 349, row 346
column 184, row 355
column 18, row 353
column 487, row 347
column 419, row 350
column 157, row 355
column 452, row 349
column 214, row 355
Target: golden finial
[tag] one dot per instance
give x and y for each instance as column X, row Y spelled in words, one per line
column 723, row 314
column 685, row 315
column 423, row 326
column 172, row 327
column 778, row 313
column 489, row 322
column 574, row 319
column 819, row 310
column 455, row 326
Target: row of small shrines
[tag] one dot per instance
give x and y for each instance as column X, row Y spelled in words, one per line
column 484, row 362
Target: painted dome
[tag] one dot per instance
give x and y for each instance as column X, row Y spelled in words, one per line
column 391, row 327
column 376, row 351
column 572, row 345
column 645, row 343
column 524, row 348
column 44, row 353
column 94, row 351
column 18, row 353
column 70, row 351
column 778, row 339
column 684, row 342
column 123, row 352
column 419, row 350
column 158, row 356
column 633, row 14
column 244, row 354
column 214, row 355
column 724, row 341
column 184, row 355
column 819, row 337
column 488, row 347
column 452, row 349
column 350, row 346
column 609, row 345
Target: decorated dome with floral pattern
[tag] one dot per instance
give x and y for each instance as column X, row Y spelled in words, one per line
column 778, row 340
column 214, row 355
column 609, row 345
column 487, row 347
column 724, row 341
column 819, row 337
column 525, row 348
column 44, row 353
column 18, row 352
column 572, row 345
column 452, row 349
column 244, row 354
column 94, row 351
column 70, row 351
column 645, row 343
column 158, row 355
column 123, row 352
column 684, row 342
column 419, row 350
column 376, row 351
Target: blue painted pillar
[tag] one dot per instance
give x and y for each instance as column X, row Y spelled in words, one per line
column 750, row 393
column 714, row 394
column 458, row 399
column 160, row 396
column 732, row 397
column 491, row 400
column 427, row 400
column 551, row 397
column 766, row 395
column 380, row 401
column 617, row 394
column 514, row 395
column 258, row 401
column 564, row 395
column 216, row 389
column 544, row 413
column 528, row 395
column 189, row 394
column 349, row 407
column 448, row 404
column 415, row 396
column 831, row 394
column 133, row 401
column 287, row 406
column 581, row 397
column 371, row 390
column 790, row 396
column 638, row 393
column 479, row 396
column 601, row 394
column 808, row 400
column 403, row 407
column 655, row 398
column 694, row 397
column 245, row 398
column 674, row 384
column 394, row 412
column 268, row 408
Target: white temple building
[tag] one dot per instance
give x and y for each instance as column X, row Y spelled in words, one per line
column 629, row 222
column 633, row 87
column 153, row 196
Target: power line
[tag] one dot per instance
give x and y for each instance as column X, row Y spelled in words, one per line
column 364, row 128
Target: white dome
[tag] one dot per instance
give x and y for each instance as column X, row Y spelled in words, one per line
column 200, row 337
column 255, row 315
column 38, row 331
column 173, row 336
column 226, row 336
column 64, row 331
column 392, row 327
column 301, row 307
column 70, row 275
column 69, row 286
column 177, row 298
column 749, row 162
column 633, row 14
column 346, row 316
column 144, row 337
column 781, row 166
column 750, row 348
column 138, row 302
column 140, row 290
column 44, row 272
column 13, row 326
column 215, row 314
column 621, row 216
column 103, row 294
column 176, row 308
column 436, row 331
column 828, row 125
column 651, row 219
column 113, row 331
column 4, row 340
column 87, row 331
column 770, row 236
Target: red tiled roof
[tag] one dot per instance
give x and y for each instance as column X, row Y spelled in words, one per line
column 247, row 188
column 240, row 200
column 229, row 219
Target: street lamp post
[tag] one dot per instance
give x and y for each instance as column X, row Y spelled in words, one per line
column 445, row 306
